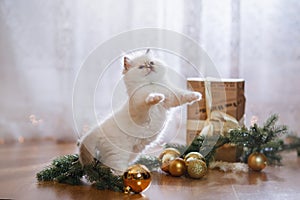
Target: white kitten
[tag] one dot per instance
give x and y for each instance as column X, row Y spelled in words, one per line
column 140, row 122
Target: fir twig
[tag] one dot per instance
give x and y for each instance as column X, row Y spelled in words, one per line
column 206, row 146
column 103, row 178
column 261, row 139
column 67, row 169
column 151, row 162
column 181, row 148
column 195, row 145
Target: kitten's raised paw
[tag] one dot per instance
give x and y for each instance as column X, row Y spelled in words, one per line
column 193, row 96
column 155, row 98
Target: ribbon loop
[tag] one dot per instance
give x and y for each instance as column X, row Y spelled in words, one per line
column 217, row 121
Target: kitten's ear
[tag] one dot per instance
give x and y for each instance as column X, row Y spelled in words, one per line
column 150, row 53
column 127, row 63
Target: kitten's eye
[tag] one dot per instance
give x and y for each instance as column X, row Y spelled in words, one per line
column 151, row 63
column 141, row 67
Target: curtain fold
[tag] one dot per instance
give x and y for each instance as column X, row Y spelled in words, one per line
column 43, row 45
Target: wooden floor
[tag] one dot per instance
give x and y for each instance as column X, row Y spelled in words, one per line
column 20, row 162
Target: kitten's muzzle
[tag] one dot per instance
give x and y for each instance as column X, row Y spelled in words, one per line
column 150, row 69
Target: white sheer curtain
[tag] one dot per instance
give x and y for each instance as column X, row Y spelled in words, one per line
column 43, row 44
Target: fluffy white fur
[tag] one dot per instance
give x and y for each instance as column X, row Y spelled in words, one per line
column 140, row 122
column 226, row 166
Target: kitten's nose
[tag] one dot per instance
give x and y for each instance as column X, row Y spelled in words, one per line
column 150, row 67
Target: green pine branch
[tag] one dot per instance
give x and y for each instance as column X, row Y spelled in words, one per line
column 67, row 169
column 206, row 146
column 151, row 162
column 261, row 139
column 103, row 178
column 181, row 148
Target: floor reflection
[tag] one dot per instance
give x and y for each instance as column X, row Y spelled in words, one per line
column 66, row 192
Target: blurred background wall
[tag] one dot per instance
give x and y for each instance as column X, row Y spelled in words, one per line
column 44, row 43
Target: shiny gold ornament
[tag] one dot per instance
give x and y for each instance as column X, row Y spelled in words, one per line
column 187, row 161
column 194, row 155
column 136, row 178
column 177, row 167
column 257, row 161
column 166, row 161
column 172, row 151
column 166, row 157
column 127, row 189
column 165, row 167
column 196, row 168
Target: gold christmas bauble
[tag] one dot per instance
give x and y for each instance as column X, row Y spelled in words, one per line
column 170, row 150
column 196, row 168
column 177, row 167
column 257, row 161
column 136, row 178
column 194, row 155
column 166, row 157
column 187, row 161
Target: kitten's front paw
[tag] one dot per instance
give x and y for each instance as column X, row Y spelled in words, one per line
column 193, row 96
column 154, row 98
